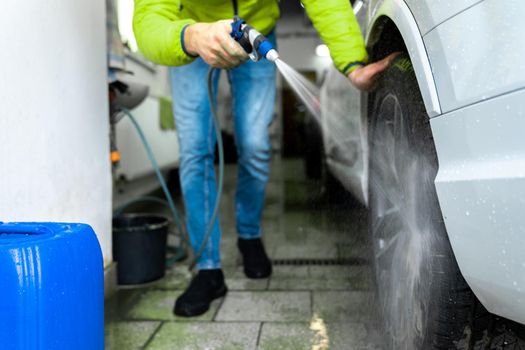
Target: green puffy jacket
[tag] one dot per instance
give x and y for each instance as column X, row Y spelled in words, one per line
column 158, row 26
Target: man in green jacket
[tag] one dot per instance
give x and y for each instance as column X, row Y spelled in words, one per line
column 191, row 36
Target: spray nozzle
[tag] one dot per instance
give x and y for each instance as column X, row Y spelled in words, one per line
column 254, row 43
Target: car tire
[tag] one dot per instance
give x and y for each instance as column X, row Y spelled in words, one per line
column 424, row 301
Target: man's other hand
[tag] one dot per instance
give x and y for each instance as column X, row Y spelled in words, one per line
column 213, row 43
column 366, row 78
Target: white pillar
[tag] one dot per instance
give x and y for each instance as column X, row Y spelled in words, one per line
column 54, row 162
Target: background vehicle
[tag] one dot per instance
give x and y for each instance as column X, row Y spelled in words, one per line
column 437, row 153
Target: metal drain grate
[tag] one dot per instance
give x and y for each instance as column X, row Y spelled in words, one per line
column 320, row 262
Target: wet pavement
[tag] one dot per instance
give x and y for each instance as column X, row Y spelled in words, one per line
column 319, row 296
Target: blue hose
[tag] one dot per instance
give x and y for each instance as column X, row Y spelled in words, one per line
column 220, row 182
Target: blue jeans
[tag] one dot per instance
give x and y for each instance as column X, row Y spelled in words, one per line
column 253, row 91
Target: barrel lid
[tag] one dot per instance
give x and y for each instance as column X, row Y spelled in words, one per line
column 23, row 232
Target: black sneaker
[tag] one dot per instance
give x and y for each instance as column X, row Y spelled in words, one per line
column 255, row 260
column 205, row 287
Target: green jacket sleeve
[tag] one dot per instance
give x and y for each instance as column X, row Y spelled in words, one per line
column 158, row 29
column 338, row 27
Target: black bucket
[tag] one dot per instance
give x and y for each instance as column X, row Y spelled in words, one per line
column 139, row 247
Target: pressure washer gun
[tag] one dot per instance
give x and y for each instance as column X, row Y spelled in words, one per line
column 255, row 44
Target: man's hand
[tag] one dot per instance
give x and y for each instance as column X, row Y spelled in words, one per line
column 213, row 43
column 366, row 78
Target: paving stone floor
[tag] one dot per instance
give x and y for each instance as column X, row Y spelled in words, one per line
column 299, row 307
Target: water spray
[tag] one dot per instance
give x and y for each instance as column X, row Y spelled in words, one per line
column 258, row 46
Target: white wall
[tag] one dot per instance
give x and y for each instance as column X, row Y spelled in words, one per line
column 53, row 122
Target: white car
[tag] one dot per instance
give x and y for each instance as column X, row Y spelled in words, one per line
column 437, row 153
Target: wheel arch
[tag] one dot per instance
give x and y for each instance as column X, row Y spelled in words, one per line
column 393, row 28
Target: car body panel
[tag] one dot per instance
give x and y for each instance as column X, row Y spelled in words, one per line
column 430, row 13
column 481, row 189
column 479, row 53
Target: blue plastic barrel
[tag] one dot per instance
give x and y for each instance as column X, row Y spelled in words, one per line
column 51, row 287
